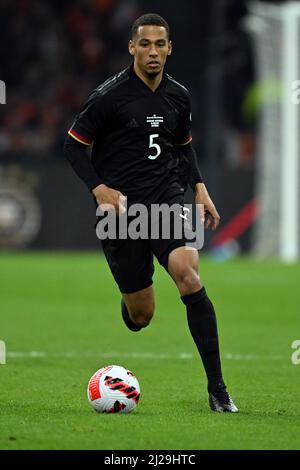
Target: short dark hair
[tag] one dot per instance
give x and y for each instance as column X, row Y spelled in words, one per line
column 150, row 19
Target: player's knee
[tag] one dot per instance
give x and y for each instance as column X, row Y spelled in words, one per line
column 188, row 281
column 143, row 316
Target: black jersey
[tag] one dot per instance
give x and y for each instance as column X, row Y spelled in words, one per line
column 135, row 134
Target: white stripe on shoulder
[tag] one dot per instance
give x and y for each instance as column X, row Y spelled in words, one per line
column 177, row 83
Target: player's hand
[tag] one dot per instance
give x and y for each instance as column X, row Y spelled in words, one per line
column 208, row 213
column 109, row 199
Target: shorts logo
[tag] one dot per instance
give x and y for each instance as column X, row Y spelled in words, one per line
column 186, row 212
column 155, row 120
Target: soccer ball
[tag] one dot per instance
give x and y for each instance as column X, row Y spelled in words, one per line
column 113, row 389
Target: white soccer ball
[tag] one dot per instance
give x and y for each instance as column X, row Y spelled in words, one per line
column 113, row 389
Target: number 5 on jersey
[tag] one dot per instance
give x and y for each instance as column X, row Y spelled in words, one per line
column 156, row 146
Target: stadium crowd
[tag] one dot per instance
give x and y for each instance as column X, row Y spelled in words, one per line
column 52, row 54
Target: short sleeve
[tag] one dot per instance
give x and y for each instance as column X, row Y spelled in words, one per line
column 90, row 119
column 183, row 134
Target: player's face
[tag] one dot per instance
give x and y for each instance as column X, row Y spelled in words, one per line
column 150, row 48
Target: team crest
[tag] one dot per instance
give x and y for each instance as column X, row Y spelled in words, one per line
column 155, row 120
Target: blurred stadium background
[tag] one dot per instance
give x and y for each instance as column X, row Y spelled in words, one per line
column 53, row 53
column 238, row 59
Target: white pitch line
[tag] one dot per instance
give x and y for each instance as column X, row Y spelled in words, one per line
column 140, row 355
column 254, row 357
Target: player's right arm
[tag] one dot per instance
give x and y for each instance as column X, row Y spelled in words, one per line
column 107, row 197
column 86, row 126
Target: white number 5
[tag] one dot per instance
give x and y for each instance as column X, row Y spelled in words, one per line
column 152, row 144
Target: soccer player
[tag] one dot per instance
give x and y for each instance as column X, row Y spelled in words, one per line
column 139, row 124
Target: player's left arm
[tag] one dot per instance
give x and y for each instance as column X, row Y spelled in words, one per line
column 208, row 211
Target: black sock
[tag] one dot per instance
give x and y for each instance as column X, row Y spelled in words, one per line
column 203, row 327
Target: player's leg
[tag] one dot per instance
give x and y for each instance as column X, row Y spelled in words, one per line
column 181, row 263
column 183, row 268
column 131, row 263
column 138, row 307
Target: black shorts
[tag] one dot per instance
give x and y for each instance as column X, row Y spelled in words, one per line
column 131, row 261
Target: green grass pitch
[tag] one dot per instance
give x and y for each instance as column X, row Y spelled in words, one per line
column 60, row 320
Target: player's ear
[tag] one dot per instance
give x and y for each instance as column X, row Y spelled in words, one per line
column 170, row 48
column 131, row 47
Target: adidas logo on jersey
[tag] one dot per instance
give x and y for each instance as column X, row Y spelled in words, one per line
column 155, row 120
column 132, row 123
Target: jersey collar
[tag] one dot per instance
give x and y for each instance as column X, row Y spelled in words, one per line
column 143, row 85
